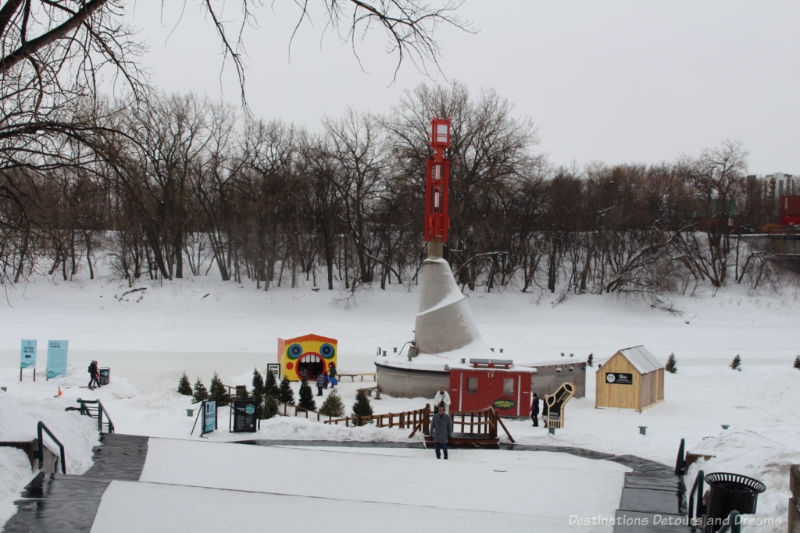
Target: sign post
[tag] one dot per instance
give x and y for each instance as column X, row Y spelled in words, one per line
column 244, row 416
column 209, row 417
column 555, row 405
column 56, row 358
column 27, row 356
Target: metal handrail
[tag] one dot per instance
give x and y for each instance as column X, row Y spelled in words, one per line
column 40, row 446
column 699, row 510
column 734, row 524
column 101, row 410
column 680, row 461
column 100, row 414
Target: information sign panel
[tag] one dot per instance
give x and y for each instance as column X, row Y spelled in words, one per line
column 56, row 358
column 244, row 416
column 209, row 416
column 27, row 353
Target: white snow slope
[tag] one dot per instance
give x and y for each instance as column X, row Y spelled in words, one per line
column 199, row 326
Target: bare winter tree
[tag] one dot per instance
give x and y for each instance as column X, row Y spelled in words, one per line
column 357, row 145
column 716, row 179
column 53, row 54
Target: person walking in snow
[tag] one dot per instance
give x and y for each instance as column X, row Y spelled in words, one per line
column 441, row 397
column 332, row 376
column 93, row 375
column 535, row 410
column 441, row 430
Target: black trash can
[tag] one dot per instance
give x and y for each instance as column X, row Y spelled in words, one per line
column 729, row 492
column 104, row 376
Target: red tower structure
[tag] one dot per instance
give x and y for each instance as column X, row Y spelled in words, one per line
column 437, row 179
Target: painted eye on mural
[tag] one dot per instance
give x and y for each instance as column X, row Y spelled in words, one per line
column 294, row 351
column 326, row 351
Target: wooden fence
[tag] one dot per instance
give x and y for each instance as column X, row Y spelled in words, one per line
column 470, row 425
column 372, row 375
column 476, row 425
column 403, row 420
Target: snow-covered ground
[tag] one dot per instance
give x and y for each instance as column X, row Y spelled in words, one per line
column 150, row 337
column 393, row 489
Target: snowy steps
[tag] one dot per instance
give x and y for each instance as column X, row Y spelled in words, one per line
column 652, row 501
column 56, row 502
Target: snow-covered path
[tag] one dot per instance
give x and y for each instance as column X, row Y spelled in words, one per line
column 193, row 486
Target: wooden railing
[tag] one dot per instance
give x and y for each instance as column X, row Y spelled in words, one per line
column 290, row 409
column 361, row 375
column 478, row 424
column 403, row 420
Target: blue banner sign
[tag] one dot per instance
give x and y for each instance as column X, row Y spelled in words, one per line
column 209, row 416
column 27, row 353
column 56, row 358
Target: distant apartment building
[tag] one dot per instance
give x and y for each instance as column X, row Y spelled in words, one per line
column 763, row 196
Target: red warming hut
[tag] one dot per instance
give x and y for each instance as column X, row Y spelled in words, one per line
column 491, row 382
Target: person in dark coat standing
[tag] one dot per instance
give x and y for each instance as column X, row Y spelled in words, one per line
column 535, row 410
column 441, row 429
column 93, row 375
column 320, row 383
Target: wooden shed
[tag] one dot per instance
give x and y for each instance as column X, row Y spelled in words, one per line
column 632, row 378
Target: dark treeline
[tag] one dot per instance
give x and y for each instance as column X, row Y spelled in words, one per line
column 178, row 186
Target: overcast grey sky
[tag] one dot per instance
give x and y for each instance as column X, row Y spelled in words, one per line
column 614, row 81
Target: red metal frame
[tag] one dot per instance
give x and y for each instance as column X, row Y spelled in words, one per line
column 437, row 182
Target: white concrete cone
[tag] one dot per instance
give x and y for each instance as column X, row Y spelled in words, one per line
column 444, row 322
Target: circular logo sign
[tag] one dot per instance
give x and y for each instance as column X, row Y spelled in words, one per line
column 250, row 409
column 611, row 378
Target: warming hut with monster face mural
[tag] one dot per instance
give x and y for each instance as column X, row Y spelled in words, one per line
column 307, row 356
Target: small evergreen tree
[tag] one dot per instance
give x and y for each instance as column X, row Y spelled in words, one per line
column 270, row 406
column 218, row 392
column 258, row 382
column 333, row 405
column 286, row 394
column 307, row 396
column 258, row 400
column 184, row 387
column 362, row 406
column 200, row 392
column 797, row 362
column 671, row 365
column 590, row 360
column 736, row 364
column 271, row 386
